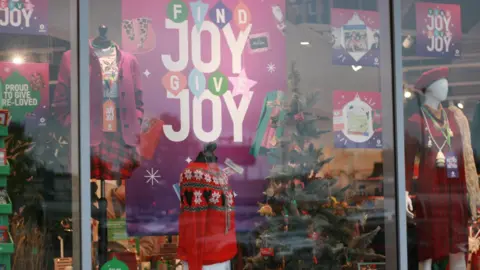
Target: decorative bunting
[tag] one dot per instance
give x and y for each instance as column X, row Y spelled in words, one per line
column 196, row 82
column 199, row 10
column 218, row 83
column 220, row 14
column 177, row 11
column 174, row 82
column 242, row 16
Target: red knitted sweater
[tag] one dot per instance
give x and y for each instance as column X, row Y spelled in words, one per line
column 207, row 218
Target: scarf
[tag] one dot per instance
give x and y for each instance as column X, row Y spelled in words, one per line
column 471, row 176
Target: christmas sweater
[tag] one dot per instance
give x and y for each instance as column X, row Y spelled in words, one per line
column 207, row 218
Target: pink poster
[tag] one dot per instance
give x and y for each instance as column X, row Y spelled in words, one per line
column 357, row 37
column 208, row 67
column 357, row 119
column 25, row 92
column 439, row 30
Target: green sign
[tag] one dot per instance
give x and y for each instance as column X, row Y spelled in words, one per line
column 117, row 229
column 114, row 264
column 18, row 96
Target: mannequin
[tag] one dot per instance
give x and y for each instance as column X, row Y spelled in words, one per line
column 207, row 237
column 441, row 205
column 116, row 107
column 116, row 111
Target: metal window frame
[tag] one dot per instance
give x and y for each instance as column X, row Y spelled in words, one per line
column 80, row 134
column 393, row 136
column 393, row 131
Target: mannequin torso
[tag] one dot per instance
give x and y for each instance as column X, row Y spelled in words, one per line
column 441, row 205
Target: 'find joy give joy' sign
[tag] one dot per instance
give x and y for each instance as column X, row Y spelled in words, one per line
column 439, row 30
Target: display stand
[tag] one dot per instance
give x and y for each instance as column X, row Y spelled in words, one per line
column 6, row 243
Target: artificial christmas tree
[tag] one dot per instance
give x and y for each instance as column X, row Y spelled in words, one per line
column 308, row 224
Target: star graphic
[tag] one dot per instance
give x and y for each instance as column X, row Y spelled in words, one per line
column 146, row 73
column 242, row 84
column 271, row 68
column 153, row 177
column 188, row 160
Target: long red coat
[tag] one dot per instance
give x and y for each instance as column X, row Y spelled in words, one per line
column 441, row 206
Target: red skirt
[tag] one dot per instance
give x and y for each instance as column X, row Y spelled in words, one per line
column 112, row 159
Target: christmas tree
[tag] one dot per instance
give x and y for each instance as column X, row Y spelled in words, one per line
column 308, row 223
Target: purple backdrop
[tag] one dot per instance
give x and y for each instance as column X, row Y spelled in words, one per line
column 439, row 30
column 152, row 204
column 24, row 17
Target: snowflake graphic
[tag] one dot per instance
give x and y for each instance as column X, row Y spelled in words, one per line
column 215, row 180
column 208, row 178
column 215, row 197
column 198, row 174
column 198, row 197
column 271, row 68
column 153, row 177
column 188, row 174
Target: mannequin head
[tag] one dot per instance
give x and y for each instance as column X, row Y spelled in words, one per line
column 434, row 85
column 436, row 93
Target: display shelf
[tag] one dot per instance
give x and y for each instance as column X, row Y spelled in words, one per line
column 6, row 249
column 4, row 171
column 6, row 209
column 3, row 131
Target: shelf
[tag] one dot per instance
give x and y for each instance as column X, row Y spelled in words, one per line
column 6, row 209
column 3, row 131
column 5, row 170
column 7, row 247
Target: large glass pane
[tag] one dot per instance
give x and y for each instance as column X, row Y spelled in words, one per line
column 440, row 63
column 242, row 134
column 38, row 194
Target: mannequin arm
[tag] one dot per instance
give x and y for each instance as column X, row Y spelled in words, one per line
column 412, row 136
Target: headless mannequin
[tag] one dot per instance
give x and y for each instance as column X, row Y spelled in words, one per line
column 208, row 156
column 436, row 93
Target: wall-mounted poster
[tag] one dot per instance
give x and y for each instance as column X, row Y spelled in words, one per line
column 24, row 17
column 24, row 92
column 209, row 82
column 357, row 119
column 439, row 30
column 357, row 37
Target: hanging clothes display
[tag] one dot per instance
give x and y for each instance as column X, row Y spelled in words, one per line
column 207, row 219
column 116, row 110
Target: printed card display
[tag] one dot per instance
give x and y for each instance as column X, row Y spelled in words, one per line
column 207, row 84
column 439, row 30
column 24, row 91
column 357, row 119
column 357, row 37
column 258, row 42
column 24, row 17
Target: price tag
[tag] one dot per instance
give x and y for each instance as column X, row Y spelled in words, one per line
column 109, row 116
column 452, row 165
